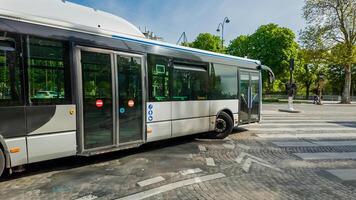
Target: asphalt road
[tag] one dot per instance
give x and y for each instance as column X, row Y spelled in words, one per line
column 308, row 155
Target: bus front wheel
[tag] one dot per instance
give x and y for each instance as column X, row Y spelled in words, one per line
column 223, row 126
column 2, row 162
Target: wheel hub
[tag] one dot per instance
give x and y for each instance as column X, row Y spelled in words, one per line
column 220, row 125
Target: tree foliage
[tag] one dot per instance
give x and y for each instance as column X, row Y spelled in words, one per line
column 240, row 46
column 334, row 21
column 272, row 45
column 207, row 41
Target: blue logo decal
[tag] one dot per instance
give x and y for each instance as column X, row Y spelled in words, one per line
column 122, row 110
column 150, row 118
column 150, row 106
column 150, row 112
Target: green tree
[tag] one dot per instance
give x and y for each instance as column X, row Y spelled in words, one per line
column 305, row 72
column 207, row 41
column 240, row 46
column 314, row 56
column 272, row 45
column 335, row 19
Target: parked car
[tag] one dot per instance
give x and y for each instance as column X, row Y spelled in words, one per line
column 47, row 95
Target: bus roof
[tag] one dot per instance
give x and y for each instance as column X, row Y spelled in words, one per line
column 68, row 15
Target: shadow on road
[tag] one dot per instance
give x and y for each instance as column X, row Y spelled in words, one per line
column 350, row 124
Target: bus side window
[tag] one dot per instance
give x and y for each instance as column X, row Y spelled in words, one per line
column 10, row 73
column 189, row 83
column 158, row 78
column 224, row 80
column 48, row 71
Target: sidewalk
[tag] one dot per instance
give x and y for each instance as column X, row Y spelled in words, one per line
column 311, row 101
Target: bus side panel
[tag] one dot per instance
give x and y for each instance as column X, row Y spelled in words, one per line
column 50, row 119
column 17, row 150
column 218, row 105
column 51, row 132
column 13, row 129
column 190, row 117
column 158, row 118
column 12, row 121
column 46, row 147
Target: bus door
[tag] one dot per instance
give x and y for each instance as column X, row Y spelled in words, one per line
column 110, row 99
column 249, row 97
column 130, row 98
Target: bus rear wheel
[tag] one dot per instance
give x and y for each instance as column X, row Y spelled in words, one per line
column 223, row 126
column 2, row 162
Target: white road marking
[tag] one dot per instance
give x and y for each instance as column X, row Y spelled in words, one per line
column 88, row 197
column 327, row 156
column 202, row 148
column 243, row 155
column 150, row 181
column 242, row 146
column 302, row 117
column 281, row 121
column 344, row 174
column 336, row 143
column 210, row 161
column 247, row 165
column 253, row 159
column 229, row 145
column 297, row 129
column 272, row 125
column 315, row 143
column 190, row 171
column 172, row 186
column 309, row 135
column 295, row 144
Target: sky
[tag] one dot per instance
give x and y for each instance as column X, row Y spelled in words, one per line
column 169, row 18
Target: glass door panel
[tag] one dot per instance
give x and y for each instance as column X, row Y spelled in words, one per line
column 130, row 98
column 97, row 99
column 255, row 98
column 244, row 97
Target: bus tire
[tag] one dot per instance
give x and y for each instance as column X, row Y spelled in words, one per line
column 2, row 162
column 223, row 126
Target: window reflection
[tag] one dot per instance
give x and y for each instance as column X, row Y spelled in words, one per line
column 224, row 82
column 158, row 72
column 189, row 83
column 9, row 70
column 48, row 71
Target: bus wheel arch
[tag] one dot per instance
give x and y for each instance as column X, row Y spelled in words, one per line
column 2, row 160
column 4, row 157
column 224, row 124
column 227, row 111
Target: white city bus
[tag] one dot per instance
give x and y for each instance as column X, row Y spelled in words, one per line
column 78, row 81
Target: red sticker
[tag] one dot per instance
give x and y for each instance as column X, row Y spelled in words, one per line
column 99, row 103
column 131, row 103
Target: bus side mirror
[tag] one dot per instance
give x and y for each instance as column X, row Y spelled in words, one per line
column 271, row 76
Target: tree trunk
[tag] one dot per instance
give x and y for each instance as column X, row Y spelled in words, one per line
column 346, row 99
column 307, row 92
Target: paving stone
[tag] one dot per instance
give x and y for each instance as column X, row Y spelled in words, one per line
column 210, row 161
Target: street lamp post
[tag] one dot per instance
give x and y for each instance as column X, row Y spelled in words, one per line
column 221, row 25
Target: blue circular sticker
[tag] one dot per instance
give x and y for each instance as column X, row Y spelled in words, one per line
column 122, row 110
column 150, row 118
column 150, row 106
column 150, row 112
